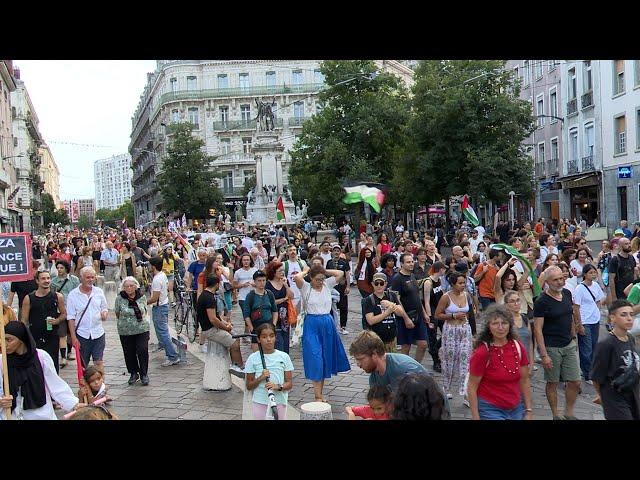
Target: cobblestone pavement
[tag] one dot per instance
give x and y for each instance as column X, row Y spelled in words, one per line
column 176, row 392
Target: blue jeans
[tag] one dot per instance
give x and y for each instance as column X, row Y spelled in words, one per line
column 586, row 346
column 282, row 341
column 160, row 316
column 486, row 301
column 488, row 411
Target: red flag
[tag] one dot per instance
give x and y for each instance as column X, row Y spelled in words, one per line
column 280, row 210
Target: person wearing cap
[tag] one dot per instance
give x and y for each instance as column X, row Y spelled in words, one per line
column 381, row 311
column 337, row 263
column 110, row 257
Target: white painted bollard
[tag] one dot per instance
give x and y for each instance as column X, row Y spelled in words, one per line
column 315, row 411
column 110, row 294
column 216, row 367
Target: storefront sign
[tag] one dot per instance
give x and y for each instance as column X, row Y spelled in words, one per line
column 15, row 257
column 625, row 172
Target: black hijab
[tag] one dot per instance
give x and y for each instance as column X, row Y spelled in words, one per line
column 25, row 371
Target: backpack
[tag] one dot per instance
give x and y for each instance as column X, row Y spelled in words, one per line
column 369, row 299
column 286, row 267
column 252, row 307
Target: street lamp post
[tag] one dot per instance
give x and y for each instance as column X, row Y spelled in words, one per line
column 511, row 195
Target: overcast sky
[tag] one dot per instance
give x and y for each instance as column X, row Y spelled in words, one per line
column 86, row 102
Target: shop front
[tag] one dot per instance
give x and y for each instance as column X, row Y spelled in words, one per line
column 584, row 197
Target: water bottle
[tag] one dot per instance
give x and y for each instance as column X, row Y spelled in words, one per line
column 49, row 325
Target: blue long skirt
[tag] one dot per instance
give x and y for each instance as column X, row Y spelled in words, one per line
column 322, row 352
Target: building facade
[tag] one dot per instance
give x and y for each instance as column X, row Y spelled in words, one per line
column 9, row 220
column 540, row 82
column 50, row 175
column 219, row 98
column 27, row 160
column 620, row 97
column 112, row 177
column 581, row 171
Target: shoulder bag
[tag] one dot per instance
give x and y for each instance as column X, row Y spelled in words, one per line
column 297, row 333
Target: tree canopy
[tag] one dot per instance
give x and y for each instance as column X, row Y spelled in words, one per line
column 52, row 215
column 187, row 182
column 354, row 138
column 465, row 134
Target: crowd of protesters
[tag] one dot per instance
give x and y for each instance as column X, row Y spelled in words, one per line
column 474, row 308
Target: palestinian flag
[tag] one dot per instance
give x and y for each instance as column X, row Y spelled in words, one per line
column 280, row 209
column 468, row 213
column 515, row 253
column 362, row 193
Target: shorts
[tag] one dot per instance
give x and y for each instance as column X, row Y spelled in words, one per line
column 566, row 367
column 409, row 336
column 92, row 348
column 62, row 329
column 390, row 346
column 217, row 335
column 489, row 411
column 96, row 255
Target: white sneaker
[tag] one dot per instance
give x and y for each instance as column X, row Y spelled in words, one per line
column 344, row 331
column 168, row 363
column 465, row 402
column 449, row 396
column 590, row 382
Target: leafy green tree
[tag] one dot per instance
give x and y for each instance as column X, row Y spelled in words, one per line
column 187, row 182
column 465, row 134
column 354, row 138
column 84, row 222
column 52, row 215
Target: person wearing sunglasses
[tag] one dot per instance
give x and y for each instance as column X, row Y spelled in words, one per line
column 379, row 312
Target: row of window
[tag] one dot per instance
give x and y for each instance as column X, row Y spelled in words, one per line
column 193, row 113
column 588, row 142
column 244, row 80
column 228, row 177
column 620, row 133
column 534, row 68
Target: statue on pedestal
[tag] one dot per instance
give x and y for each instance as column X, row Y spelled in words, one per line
column 251, row 196
column 265, row 117
column 286, row 192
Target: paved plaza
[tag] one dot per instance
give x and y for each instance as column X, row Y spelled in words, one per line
column 176, row 392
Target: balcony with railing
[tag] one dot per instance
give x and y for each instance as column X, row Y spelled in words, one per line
column 230, row 125
column 261, row 90
column 144, row 190
column 540, row 170
column 297, row 121
column 572, row 106
column 234, row 159
column 572, row 167
column 587, row 99
column 587, row 164
column 232, row 191
column 552, row 167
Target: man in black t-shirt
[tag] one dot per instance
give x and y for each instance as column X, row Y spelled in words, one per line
column 413, row 330
column 381, row 311
column 337, row 263
column 621, row 270
column 215, row 328
column 555, row 329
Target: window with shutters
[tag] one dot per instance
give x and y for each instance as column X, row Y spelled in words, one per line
column 620, row 139
column 618, row 77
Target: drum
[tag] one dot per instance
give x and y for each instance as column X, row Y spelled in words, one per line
column 316, row 411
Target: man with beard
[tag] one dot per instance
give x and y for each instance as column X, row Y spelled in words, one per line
column 386, row 369
column 555, row 329
column 621, row 270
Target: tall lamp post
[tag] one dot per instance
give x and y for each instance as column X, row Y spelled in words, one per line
column 511, row 195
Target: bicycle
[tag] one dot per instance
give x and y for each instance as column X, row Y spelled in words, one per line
column 145, row 277
column 185, row 315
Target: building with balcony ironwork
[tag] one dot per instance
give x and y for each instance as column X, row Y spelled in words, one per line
column 50, row 175
column 581, row 171
column 26, row 158
column 8, row 180
column 620, row 89
column 112, row 178
column 540, row 86
column 219, row 98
